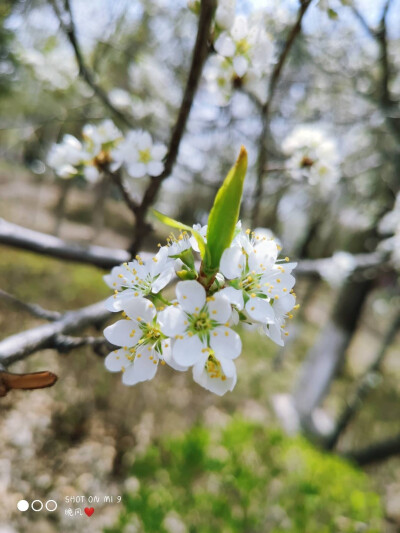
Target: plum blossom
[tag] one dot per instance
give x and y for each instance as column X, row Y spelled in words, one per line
column 257, row 281
column 139, row 278
column 195, row 330
column 225, row 14
column 140, row 155
column 312, row 155
column 142, row 344
column 63, row 158
column 247, row 45
column 198, row 325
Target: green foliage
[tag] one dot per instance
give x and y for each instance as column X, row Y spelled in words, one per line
column 247, row 478
column 225, row 211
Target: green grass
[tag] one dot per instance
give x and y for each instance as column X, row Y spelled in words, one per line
column 247, row 478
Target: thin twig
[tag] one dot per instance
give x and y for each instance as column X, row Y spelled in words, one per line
column 262, row 160
column 84, row 71
column 364, row 386
column 376, row 452
column 33, row 309
column 199, row 55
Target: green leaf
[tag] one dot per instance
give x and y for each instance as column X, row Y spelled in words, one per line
column 178, row 225
column 225, row 211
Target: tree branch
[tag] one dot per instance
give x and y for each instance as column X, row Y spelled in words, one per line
column 262, row 160
column 84, row 71
column 34, row 309
column 375, row 452
column 21, row 345
column 199, row 55
column 364, row 386
column 35, row 241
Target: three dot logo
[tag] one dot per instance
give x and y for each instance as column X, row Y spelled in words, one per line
column 37, row 505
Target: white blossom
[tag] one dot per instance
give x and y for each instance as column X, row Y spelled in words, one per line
column 139, row 278
column 312, row 155
column 197, row 324
column 225, row 14
column 247, row 45
column 63, row 158
column 338, row 268
column 143, row 345
column 140, row 155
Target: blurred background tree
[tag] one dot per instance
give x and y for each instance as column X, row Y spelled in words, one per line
column 332, row 77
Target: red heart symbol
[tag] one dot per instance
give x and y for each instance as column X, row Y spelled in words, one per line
column 89, row 510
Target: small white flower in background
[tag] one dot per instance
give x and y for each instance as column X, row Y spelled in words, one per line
column 102, row 135
column 225, row 14
column 253, row 288
column 339, row 267
column 140, row 155
column 247, row 45
column 63, row 158
column 312, row 155
column 220, row 75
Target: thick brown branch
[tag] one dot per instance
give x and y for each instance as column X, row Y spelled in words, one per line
column 262, row 159
column 84, row 70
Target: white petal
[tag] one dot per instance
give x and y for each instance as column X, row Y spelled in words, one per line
column 172, row 321
column 144, row 140
column 123, row 333
column 116, row 302
column 284, row 305
column 116, row 360
column 260, row 310
column 232, row 262
column 188, row 351
column 235, row 296
column 142, row 369
column 137, row 170
column 274, row 332
column 191, row 295
column 163, row 279
column 219, row 308
column 158, row 152
column 155, row 168
column 139, row 309
column 215, row 385
column 240, row 64
column 228, row 367
column 167, row 356
column 226, row 343
column 224, row 45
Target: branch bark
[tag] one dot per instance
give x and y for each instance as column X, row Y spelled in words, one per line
column 33, row 309
column 35, row 241
column 364, row 386
column 23, row 344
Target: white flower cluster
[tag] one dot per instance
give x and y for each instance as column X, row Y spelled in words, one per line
column 104, row 145
column 390, row 224
column 312, row 155
column 245, row 54
column 194, row 329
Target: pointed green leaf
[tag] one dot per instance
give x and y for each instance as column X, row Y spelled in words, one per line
column 178, row 225
column 225, row 211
